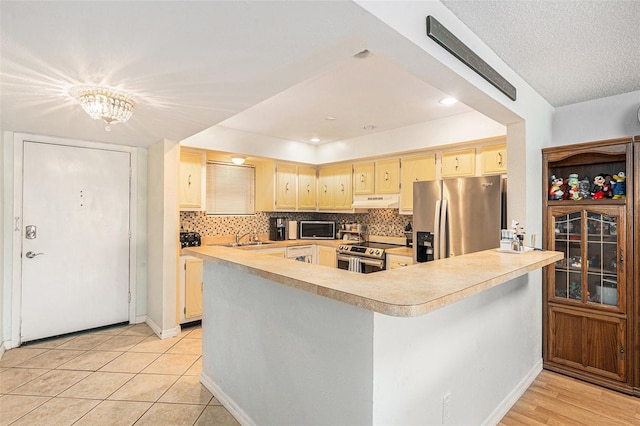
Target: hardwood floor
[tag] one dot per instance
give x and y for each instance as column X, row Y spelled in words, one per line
column 554, row 399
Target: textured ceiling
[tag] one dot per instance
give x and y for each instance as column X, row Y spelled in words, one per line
column 568, row 51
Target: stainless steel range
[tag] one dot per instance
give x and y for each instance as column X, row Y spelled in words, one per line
column 365, row 257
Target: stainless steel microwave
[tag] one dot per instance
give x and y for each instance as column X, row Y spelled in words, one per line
column 317, row 230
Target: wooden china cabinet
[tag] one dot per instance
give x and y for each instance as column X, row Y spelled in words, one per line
column 590, row 296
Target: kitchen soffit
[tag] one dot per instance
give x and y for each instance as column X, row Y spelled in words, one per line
column 360, row 93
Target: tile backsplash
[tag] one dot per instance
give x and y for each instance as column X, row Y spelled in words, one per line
column 384, row 222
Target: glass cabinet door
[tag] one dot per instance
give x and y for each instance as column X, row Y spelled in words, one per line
column 568, row 271
column 602, row 259
column 590, row 268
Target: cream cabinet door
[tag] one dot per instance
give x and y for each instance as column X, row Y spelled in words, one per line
column 414, row 169
column 363, row 178
column 190, row 190
column 459, row 163
column 494, row 159
column 193, row 288
column 326, row 182
column 286, row 187
column 343, row 198
column 395, row 261
column 306, row 188
column 327, row 256
column 388, row 176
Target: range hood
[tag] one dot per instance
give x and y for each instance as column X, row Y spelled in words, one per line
column 376, row 201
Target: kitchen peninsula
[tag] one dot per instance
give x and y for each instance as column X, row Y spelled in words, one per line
column 453, row 341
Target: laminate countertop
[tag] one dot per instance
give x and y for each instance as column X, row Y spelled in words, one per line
column 405, row 292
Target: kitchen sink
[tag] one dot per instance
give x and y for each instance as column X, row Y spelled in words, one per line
column 246, row 243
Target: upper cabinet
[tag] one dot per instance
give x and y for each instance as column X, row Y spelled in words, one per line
column 414, row 169
column 363, row 178
column 459, row 163
column 306, row 188
column 494, row 159
column 286, row 179
column 190, row 186
column 388, row 176
column 335, row 188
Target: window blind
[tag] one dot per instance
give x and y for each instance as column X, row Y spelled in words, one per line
column 230, row 189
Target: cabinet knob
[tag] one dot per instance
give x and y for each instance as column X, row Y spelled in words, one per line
column 500, row 159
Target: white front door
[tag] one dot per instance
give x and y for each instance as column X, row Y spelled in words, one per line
column 75, row 242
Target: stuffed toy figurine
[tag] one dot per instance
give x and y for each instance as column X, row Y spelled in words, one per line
column 555, row 191
column 599, row 188
column 584, row 188
column 608, row 183
column 619, row 186
column 572, row 185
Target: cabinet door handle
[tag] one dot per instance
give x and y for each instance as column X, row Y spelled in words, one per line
column 621, row 255
column 386, row 176
column 362, row 178
column 342, row 187
column 402, row 264
column 308, row 188
column 500, row 159
column 286, row 186
column 189, row 180
column 325, row 188
column 457, row 163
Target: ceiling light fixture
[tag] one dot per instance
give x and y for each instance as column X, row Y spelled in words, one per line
column 237, row 160
column 369, row 127
column 315, row 140
column 329, row 118
column 102, row 103
column 448, row 101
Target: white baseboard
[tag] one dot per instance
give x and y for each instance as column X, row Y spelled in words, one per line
column 140, row 319
column 163, row 334
column 228, row 403
column 503, row 408
column 1, row 349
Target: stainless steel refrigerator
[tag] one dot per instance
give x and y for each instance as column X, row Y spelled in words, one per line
column 452, row 217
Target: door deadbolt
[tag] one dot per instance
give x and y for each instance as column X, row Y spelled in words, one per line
column 30, row 232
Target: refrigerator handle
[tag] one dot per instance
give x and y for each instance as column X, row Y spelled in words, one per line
column 436, row 233
column 442, row 230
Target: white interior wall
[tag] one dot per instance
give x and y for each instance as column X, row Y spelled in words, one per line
column 599, row 119
column 2, row 230
column 162, row 237
column 477, row 350
column 314, row 354
column 141, row 237
column 418, row 136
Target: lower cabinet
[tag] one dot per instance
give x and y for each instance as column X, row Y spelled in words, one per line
column 190, row 304
column 588, row 342
column 327, row 256
column 395, row 261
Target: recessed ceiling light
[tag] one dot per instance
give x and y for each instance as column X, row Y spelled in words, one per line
column 330, row 118
column 315, row 139
column 448, row 101
column 369, row 127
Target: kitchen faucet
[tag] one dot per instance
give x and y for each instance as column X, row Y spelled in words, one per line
column 239, row 237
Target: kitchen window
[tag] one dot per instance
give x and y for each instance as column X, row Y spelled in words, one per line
column 230, row 189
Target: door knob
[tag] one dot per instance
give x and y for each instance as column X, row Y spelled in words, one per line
column 31, row 255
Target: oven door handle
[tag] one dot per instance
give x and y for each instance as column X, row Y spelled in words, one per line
column 363, row 260
column 372, row 262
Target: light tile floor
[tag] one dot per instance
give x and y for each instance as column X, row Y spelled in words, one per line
column 122, row 375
